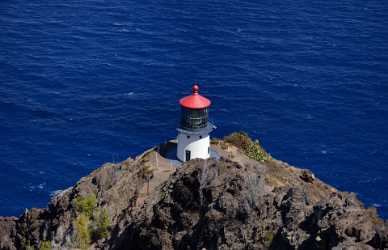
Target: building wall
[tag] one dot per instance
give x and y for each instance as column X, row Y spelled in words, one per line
column 199, row 147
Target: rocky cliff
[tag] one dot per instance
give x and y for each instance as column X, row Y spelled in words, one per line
column 244, row 199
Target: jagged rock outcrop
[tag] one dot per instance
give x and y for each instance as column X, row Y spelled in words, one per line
column 234, row 202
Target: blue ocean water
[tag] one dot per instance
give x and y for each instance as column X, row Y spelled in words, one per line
column 91, row 81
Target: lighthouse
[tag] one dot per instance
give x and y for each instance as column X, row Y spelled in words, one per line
column 194, row 128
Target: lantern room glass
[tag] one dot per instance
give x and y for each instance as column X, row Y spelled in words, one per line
column 193, row 119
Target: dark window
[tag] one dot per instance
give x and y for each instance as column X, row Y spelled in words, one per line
column 208, row 150
column 188, row 155
column 188, row 137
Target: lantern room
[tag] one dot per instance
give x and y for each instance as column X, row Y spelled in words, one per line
column 194, row 110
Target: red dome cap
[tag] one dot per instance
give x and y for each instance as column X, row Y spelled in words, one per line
column 195, row 101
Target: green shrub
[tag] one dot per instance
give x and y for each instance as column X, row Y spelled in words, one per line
column 268, row 238
column 251, row 148
column 86, row 204
column 103, row 225
column 25, row 244
column 45, row 245
column 29, row 247
column 91, row 223
column 81, row 225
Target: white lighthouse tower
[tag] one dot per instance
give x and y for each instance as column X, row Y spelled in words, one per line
column 194, row 129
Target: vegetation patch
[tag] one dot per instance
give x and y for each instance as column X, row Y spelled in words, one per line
column 29, row 247
column 45, row 245
column 251, row 148
column 91, row 223
column 85, row 204
column 268, row 238
column 81, row 225
column 102, row 225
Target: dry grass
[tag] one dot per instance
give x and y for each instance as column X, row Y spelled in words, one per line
column 274, row 181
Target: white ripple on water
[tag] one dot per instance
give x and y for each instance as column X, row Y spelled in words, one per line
column 123, row 23
column 38, row 187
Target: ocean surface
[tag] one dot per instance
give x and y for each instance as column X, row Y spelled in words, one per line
column 94, row 81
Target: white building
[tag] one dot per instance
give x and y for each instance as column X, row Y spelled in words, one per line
column 193, row 132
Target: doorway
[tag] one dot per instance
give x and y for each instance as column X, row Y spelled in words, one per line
column 188, row 155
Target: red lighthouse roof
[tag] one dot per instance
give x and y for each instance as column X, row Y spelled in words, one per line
column 195, row 101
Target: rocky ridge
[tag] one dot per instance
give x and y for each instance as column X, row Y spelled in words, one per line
column 244, row 200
